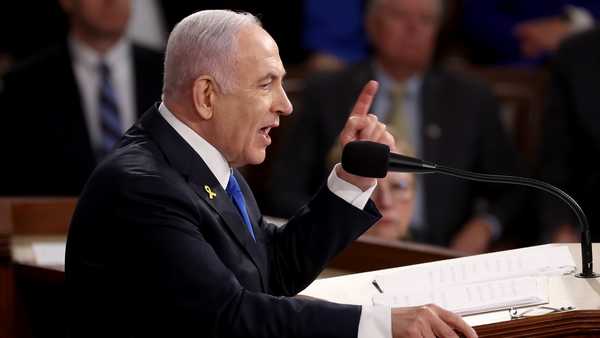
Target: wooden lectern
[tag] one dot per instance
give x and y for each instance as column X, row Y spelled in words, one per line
column 23, row 221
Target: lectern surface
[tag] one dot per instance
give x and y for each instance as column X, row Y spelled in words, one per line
column 563, row 291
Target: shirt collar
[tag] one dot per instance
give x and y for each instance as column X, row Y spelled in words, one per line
column 90, row 58
column 215, row 161
column 387, row 82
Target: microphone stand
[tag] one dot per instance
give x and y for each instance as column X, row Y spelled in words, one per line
column 586, row 239
column 353, row 160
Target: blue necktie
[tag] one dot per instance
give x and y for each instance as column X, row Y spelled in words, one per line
column 234, row 192
column 109, row 111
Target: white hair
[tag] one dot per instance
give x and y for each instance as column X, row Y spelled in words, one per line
column 204, row 43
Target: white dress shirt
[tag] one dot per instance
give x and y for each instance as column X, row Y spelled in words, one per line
column 414, row 118
column 85, row 64
column 375, row 321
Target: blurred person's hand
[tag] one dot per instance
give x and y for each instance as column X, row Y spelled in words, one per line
column 428, row 321
column 541, row 35
column 474, row 238
column 566, row 233
column 324, row 62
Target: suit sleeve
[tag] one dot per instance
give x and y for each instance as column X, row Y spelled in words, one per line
column 299, row 251
column 323, row 228
column 178, row 267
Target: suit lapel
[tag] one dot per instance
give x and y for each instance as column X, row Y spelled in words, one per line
column 74, row 114
column 185, row 160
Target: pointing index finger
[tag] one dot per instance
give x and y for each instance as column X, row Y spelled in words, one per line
column 363, row 103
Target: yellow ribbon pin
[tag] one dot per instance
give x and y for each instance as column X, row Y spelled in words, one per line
column 211, row 194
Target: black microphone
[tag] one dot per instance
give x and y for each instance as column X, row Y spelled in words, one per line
column 370, row 159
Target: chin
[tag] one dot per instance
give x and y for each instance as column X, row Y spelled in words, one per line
column 257, row 157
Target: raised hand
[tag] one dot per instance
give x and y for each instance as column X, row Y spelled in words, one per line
column 365, row 127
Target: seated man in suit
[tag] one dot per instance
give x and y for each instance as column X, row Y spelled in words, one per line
column 444, row 117
column 570, row 151
column 63, row 110
column 167, row 239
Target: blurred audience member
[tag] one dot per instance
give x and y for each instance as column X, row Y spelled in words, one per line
column 444, row 117
column 394, row 196
column 395, row 199
column 63, row 109
column 570, row 155
column 523, row 32
column 149, row 22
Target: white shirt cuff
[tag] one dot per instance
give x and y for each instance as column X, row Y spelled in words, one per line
column 347, row 191
column 375, row 322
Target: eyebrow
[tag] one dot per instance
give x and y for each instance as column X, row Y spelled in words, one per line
column 271, row 76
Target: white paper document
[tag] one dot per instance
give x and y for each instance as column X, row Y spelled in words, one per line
column 480, row 283
column 476, row 297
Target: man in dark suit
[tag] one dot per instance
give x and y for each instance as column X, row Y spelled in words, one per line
column 167, row 239
column 62, row 111
column 451, row 120
column 570, row 149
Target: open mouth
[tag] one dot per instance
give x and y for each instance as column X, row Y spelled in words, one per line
column 265, row 130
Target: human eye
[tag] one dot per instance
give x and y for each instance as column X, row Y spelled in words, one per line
column 399, row 185
column 266, row 85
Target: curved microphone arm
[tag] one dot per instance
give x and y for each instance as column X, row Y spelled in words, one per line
column 370, row 159
column 586, row 239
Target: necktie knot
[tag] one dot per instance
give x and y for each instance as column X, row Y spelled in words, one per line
column 398, row 91
column 233, row 186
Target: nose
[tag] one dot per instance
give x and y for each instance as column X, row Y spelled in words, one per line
column 383, row 196
column 282, row 104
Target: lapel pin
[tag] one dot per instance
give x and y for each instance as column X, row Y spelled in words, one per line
column 209, row 191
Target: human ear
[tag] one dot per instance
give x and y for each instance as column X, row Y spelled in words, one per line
column 203, row 93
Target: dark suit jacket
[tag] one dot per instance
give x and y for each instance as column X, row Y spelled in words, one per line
column 149, row 253
column 460, row 128
column 44, row 136
column 570, row 155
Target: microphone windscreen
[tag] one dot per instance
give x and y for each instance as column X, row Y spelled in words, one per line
column 365, row 158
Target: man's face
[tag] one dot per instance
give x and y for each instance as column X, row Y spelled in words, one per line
column 244, row 116
column 404, row 32
column 102, row 18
